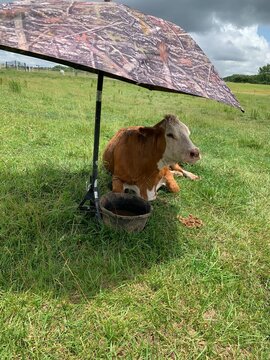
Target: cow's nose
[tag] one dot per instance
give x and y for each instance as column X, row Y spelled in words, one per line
column 195, row 153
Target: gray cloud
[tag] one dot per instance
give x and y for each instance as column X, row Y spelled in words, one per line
column 198, row 15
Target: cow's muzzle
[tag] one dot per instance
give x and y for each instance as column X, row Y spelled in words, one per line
column 195, row 154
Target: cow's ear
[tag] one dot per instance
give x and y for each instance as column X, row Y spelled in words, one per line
column 145, row 131
column 161, row 124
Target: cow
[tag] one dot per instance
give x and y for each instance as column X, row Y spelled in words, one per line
column 139, row 158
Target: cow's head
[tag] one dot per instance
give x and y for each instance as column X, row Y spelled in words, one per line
column 179, row 147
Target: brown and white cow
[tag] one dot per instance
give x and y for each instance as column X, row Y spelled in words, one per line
column 139, row 158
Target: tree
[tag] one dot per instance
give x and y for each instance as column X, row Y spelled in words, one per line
column 264, row 69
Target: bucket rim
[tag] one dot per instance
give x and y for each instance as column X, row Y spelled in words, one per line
column 127, row 196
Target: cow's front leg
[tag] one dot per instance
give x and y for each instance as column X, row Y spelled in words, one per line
column 117, row 185
column 170, row 182
column 179, row 171
column 176, row 173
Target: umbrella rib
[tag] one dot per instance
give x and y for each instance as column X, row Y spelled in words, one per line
column 167, row 72
column 22, row 42
column 69, row 7
column 177, row 35
column 209, row 74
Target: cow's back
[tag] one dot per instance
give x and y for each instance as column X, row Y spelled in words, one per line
column 116, row 140
column 134, row 151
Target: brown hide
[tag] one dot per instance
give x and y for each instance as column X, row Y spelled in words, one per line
column 132, row 155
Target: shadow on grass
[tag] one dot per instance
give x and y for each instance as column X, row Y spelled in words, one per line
column 48, row 245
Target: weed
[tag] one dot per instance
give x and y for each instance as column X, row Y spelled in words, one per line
column 254, row 114
column 15, row 86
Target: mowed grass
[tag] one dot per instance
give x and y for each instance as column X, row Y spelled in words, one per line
column 70, row 289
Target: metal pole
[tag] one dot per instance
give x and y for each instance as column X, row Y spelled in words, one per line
column 97, row 125
column 92, row 193
column 96, row 142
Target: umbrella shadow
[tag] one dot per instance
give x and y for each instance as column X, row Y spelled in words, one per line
column 49, row 246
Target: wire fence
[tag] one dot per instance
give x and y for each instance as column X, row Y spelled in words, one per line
column 18, row 65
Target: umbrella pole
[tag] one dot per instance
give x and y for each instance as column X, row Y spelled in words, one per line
column 92, row 194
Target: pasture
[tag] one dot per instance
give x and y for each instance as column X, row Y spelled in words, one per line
column 71, row 290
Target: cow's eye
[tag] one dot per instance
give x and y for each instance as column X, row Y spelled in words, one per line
column 171, row 136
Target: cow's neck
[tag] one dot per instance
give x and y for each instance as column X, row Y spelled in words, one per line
column 163, row 162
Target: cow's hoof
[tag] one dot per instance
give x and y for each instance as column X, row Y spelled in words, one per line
column 190, row 175
column 194, row 177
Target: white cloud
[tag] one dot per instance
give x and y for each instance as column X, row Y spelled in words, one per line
column 234, row 50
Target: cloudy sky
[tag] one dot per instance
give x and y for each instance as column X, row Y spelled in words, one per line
column 235, row 34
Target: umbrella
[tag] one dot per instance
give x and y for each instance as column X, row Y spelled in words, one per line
column 116, row 41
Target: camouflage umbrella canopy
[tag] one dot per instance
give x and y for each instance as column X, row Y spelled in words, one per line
column 113, row 40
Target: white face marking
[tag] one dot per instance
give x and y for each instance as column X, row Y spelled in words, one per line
column 178, row 144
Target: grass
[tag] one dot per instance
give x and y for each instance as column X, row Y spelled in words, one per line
column 72, row 290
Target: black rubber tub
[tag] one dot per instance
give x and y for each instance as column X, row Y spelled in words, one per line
column 125, row 211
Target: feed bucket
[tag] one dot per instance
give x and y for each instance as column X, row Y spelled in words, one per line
column 125, row 211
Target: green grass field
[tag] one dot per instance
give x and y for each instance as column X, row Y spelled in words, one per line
column 71, row 290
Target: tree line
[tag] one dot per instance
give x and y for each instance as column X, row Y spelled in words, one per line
column 263, row 77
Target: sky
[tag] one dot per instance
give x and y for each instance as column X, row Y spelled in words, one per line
column 235, row 34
